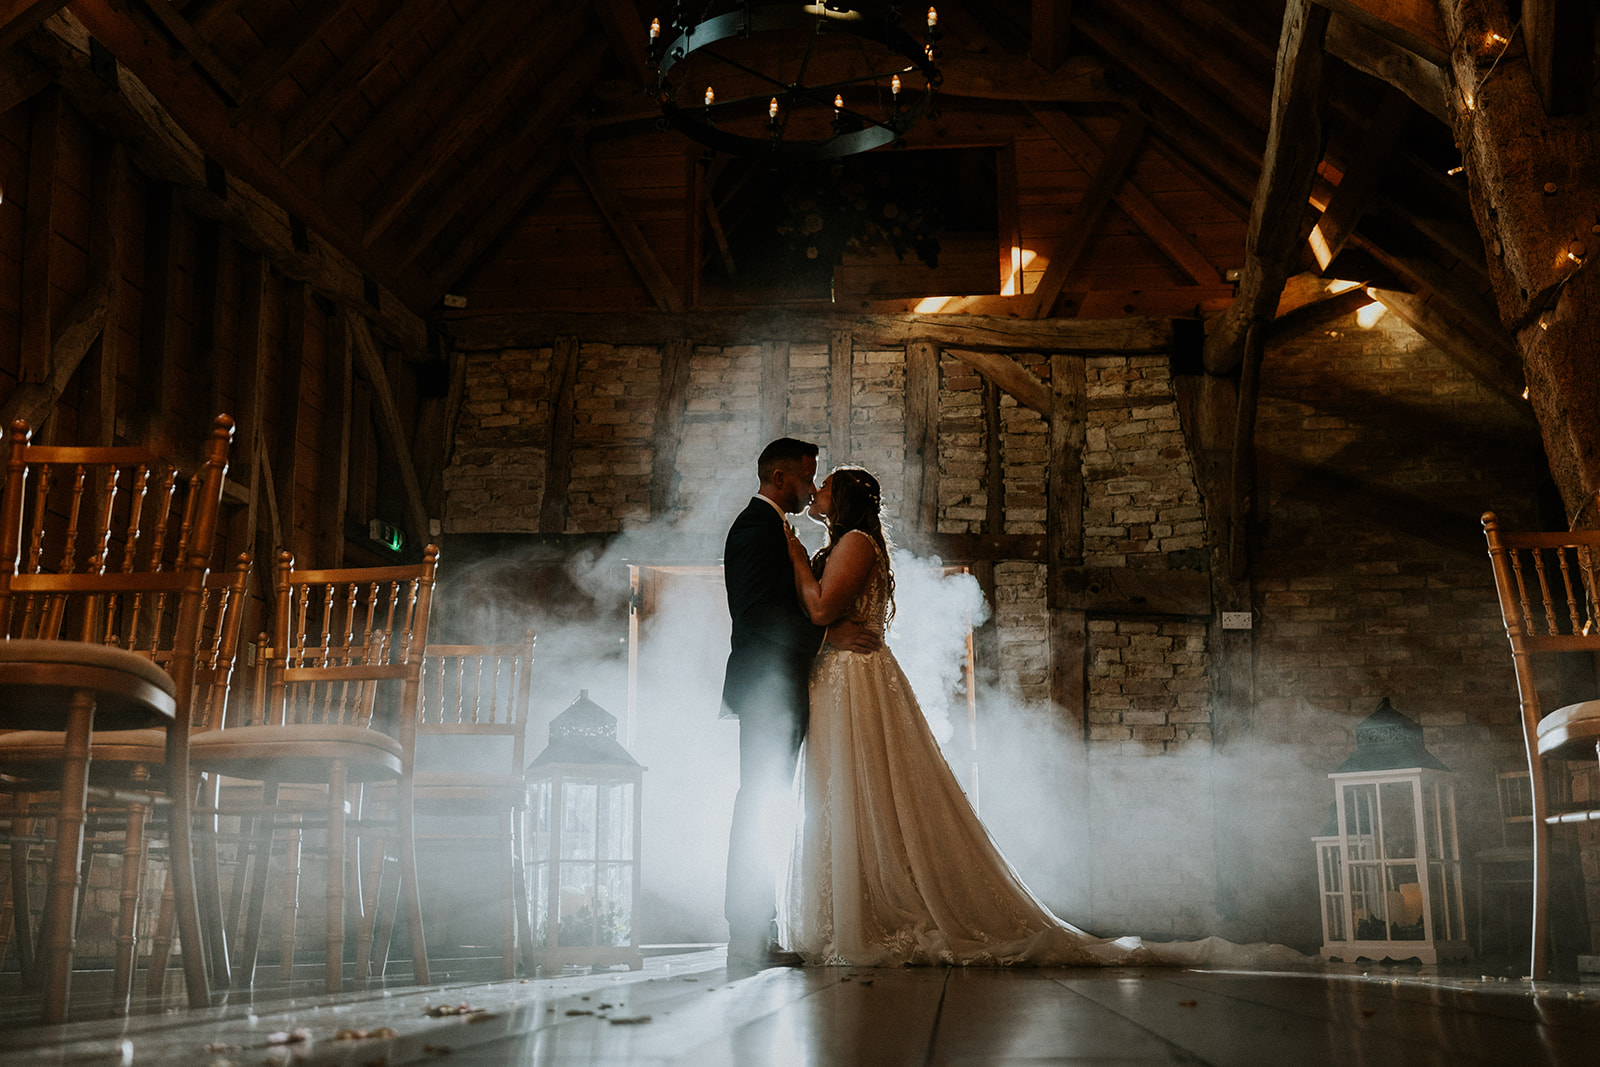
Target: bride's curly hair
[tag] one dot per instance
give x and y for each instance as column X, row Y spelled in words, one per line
column 857, row 505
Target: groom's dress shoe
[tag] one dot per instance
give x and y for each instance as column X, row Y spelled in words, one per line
column 760, row 954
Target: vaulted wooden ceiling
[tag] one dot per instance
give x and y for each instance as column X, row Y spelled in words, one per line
column 413, row 135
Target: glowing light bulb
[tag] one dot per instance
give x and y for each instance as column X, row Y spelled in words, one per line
column 838, row 101
column 894, row 85
column 711, row 96
column 933, row 17
column 655, row 28
column 1453, row 171
column 772, row 109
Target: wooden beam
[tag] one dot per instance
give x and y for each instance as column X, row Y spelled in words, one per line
column 1498, row 369
column 390, row 428
column 487, row 95
column 18, row 18
column 1086, row 216
column 1317, row 313
column 159, row 324
column 1021, row 383
column 1076, row 79
column 535, row 126
column 1294, row 149
column 957, row 333
column 1356, row 191
column 108, row 226
column 1560, row 36
column 212, row 247
column 671, row 402
column 21, row 78
column 1129, row 591
column 1236, row 79
column 1075, row 141
column 276, row 60
column 920, row 494
column 334, row 485
column 165, row 152
column 774, row 390
column 1064, row 479
column 1244, row 453
column 34, row 402
column 1052, row 32
column 558, row 439
column 841, row 360
column 286, row 428
column 640, row 254
column 1216, row 121
column 627, row 35
column 1425, row 83
column 330, row 98
column 1412, row 24
column 199, row 50
column 38, row 230
column 437, row 81
column 1423, row 272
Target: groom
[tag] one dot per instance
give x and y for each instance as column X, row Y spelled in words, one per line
column 766, row 688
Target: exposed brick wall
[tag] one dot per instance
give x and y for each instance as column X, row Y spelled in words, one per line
column 1148, row 685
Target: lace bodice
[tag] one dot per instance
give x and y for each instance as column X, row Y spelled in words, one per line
column 871, row 605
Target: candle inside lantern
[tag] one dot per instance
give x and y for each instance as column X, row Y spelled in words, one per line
column 838, row 101
column 655, row 28
column 772, row 109
column 894, row 85
column 711, row 96
column 933, row 17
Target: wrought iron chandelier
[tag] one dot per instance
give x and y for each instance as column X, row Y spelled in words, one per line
column 793, row 82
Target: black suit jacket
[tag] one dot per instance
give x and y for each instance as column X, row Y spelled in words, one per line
column 773, row 640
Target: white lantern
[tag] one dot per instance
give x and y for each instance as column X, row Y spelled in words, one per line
column 584, row 843
column 1390, row 873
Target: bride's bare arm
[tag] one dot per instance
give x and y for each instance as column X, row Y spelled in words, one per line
column 848, row 566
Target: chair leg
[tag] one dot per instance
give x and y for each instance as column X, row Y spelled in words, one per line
column 335, row 939
column 180, row 865
column 22, row 903
column 292, row 853
column 134, row 854
column 371, row 854
column 508, row 897
column 410, row 892
column 61, row 904
column 520, row 885
column 261, row 847
column 161, row 942
column 383, row 929
column 211, row 888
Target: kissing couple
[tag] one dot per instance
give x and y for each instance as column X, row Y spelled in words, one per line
column 890, row 865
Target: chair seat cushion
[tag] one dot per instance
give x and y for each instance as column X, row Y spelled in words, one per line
column 28, row 753
column 1570, row 732
column 39, row 677
column 298, row 753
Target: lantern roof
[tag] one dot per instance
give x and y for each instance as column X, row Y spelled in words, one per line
column 1387, row 740
column 585, row 733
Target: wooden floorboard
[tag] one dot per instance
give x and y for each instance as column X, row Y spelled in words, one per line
column 691, row 1010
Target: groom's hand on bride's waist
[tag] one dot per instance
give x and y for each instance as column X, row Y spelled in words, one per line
column 851, row 636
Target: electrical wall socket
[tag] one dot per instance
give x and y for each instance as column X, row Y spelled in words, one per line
column 1237, row 620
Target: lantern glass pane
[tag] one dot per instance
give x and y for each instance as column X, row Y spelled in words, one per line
column 539, row 822
column 576, row 914
column 616, row 821
column 1361, row 821
column 1332, row 892
column 541, row 904
column 616, row 897
column 1404, row 900
column 578, row 818
column 1367, row 902
column 1397, row 803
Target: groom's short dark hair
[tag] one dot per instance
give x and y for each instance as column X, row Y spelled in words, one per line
column 783, row 450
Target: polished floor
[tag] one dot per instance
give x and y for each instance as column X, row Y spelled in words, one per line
column 690, row 1008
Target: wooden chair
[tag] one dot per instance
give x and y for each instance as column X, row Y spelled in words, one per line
column 104, row 553
column 1550, row 599
column 128, row 771
column 472, row 725
column 338, row 638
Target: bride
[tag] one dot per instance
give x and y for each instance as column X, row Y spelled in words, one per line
column 891, row 865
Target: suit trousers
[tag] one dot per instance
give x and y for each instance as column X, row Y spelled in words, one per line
column 770, row 732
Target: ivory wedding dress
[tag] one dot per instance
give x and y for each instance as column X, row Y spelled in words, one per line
column 891, row 865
